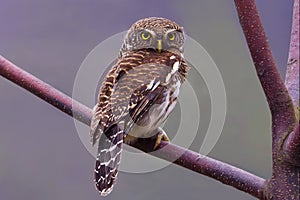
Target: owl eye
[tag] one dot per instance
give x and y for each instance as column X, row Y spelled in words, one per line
column 145, row 35
column 171, row 36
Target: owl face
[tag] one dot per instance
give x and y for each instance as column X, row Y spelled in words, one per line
column 158, row 34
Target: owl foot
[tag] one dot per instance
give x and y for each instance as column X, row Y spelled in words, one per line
column 128, row 139
column 160, row 136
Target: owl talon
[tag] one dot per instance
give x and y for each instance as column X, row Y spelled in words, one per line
column 161, row 136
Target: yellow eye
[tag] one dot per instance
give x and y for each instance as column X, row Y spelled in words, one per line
column 171, row 36
column 146, row 35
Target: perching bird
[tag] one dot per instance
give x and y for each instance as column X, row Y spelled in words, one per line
column 138, row 93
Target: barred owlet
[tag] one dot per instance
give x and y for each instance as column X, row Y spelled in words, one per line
column 138, row 93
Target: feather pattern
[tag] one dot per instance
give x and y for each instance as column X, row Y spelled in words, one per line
column 138, row 93
column 135, row 83
column 108, row 159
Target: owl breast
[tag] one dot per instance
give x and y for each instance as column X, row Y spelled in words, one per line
column 158, row 112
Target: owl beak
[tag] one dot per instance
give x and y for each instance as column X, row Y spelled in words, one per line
column 159, row 46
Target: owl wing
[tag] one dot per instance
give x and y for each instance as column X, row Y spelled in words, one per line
column 140, row 105
column 110, row 142
column 108, row 134
column 131, row 86
column 94, row 126
column 102, row 117
column 129, row 90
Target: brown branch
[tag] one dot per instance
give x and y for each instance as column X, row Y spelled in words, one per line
column 44, row 91
column 218, row 170
column 284, row 183
column 291, row 146
column 292, row 72
column 279, row 101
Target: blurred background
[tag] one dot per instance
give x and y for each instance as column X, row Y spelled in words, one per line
column 41, row 155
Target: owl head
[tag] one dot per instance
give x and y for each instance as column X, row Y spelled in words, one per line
column 158, row 34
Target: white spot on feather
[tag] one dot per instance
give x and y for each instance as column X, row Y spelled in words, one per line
column 175, row 67
column 173, row 71
column 150, row 85
column 128, row 46
column 168, row 77
column 155, row 86
column 112, row 159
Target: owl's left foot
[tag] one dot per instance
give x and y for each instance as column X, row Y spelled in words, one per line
column 160, row 136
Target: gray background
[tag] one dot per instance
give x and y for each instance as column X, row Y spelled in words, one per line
column 41, row 156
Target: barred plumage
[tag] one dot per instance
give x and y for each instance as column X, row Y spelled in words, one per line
column 138, row 94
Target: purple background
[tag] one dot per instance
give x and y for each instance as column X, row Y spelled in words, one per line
column 41, row 156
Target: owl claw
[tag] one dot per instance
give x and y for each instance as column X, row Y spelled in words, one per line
column 161, row 136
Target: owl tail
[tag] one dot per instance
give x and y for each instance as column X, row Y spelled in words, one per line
column 108, row 159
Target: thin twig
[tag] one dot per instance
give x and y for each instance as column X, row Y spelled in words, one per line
column 218, row 170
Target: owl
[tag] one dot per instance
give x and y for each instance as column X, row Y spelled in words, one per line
column 138, row 94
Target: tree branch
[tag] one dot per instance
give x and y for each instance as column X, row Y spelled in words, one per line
column 220, row 171
column 292, row 72
column 44, row 91
column 291, row 146
column 278, row 98
column 284, row 182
